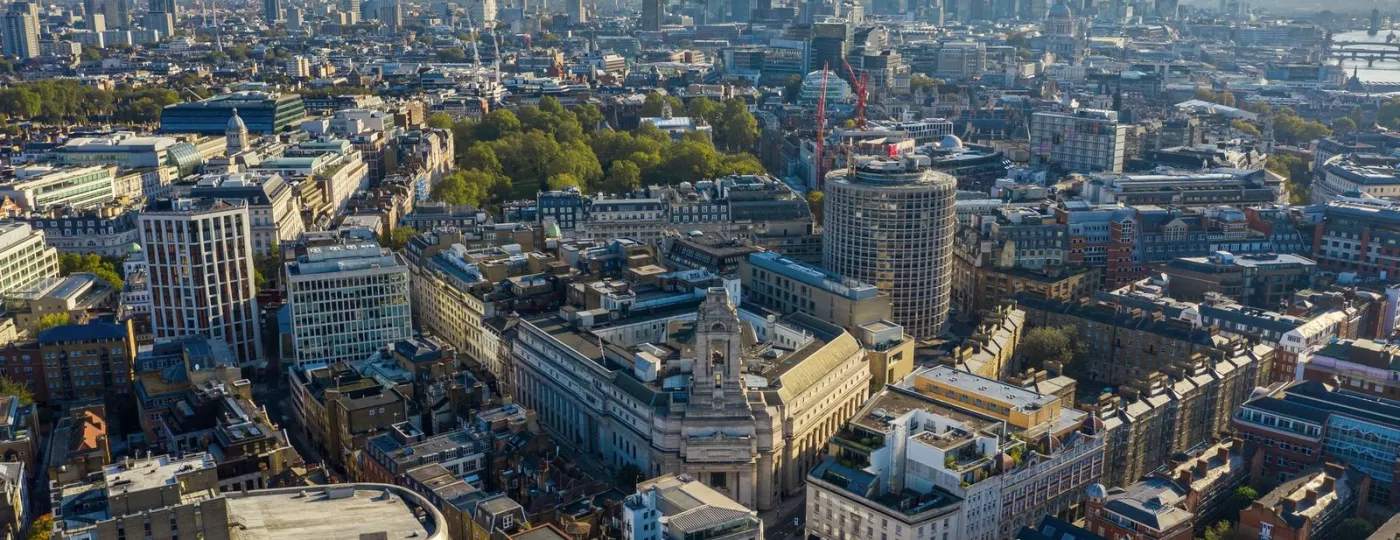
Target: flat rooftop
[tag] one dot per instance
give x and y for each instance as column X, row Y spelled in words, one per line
column 287, row 514
column 1021, row 398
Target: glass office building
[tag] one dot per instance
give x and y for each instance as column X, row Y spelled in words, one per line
column 263, row 112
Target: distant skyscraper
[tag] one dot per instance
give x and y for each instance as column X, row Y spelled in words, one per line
column 578, row 13
column 890, row 222
column 483, row 13
column 160, row 21
column 389, row 12
column 163, row 6
column 351, row 8
column 272, row 11
column 295, row 17
column 653, row 12
column 199, row 256
column 119, row 14
column 21, row 31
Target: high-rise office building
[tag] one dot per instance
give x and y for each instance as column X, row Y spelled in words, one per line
column 272, row 11
column 118, row 13
column 199, row 258
column 295, row 17
column 21, row 31
column 389, row 12
column 348, row 299
column 160, row 21
column 1081, row 140
column 351, row 8
column 26, row 259
column 483, row 13
column 162, row 6
column 830, row 43
column 653, row 12
column 578, row 13
column 890, row 222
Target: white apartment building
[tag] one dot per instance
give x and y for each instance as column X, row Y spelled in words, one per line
column 40, row 188
column 945, row 454
column 1084, row 141
column 347, row 301
column 25, row 259
column 199, row 256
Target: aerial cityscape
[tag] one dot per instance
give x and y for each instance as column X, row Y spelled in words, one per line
column 699, row 269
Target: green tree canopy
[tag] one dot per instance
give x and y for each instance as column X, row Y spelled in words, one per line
column 816, row 200
column 440, row 121
column 1353, row 529
column 1245, row 127
column 792, row 88
column 624, row 176
column 51, row 320
column 15, row 388
column 398, row 238
column 106, row 269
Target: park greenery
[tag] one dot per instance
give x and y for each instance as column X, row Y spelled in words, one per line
column 65, row 101
column 104, row 268
column 51, row 320
column 511, row 155
column 1297, row 178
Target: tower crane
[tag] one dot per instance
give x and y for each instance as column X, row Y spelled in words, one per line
column 859, row 85
column 821, row 126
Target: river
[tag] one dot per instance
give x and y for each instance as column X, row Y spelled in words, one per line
column 1386, row 71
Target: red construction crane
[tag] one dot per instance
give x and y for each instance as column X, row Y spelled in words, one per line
column 859, row 85
column 821, row 126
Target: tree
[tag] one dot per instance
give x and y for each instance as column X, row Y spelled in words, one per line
column 1224, row 530
column 651, row 105
column 481, row 156
column 106, row 270
column 41, row 529
column 1245, row 127
column 623, row 177
column 919, row 81
column 589, row 117
column 453, row 55
column 1295, row 173
column 398, row 238
column 626, row 478
column 1045, row 343
column 467, row 187
column 793, row 88
column 440, row 121
column 51, row 320
column 705, row 108
column 1239, row 500
column 18, row 389
column 564, row 180
column 265, row 265
column 816, row 200
column 1344, row 125
column 740, row 128
column 1353, row 529
column 496, row 124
